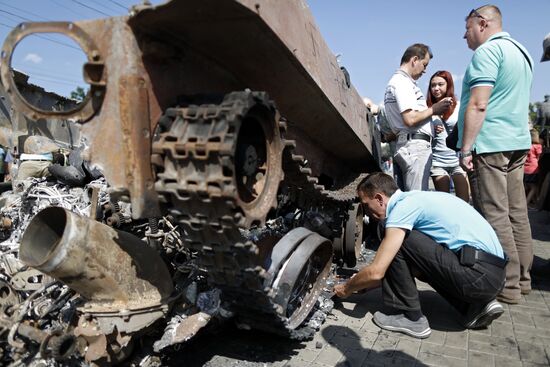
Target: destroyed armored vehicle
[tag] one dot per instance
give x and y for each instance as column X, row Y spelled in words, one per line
column 231, row 142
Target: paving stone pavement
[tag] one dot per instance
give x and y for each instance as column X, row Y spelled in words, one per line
column 349, row 338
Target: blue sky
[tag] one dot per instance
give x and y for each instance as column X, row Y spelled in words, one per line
column 370, row 35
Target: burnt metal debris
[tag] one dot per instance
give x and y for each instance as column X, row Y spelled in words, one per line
column 212, row 180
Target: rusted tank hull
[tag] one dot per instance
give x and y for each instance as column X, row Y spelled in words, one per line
column 140, row 65
column 229, row 125
column 273, row 46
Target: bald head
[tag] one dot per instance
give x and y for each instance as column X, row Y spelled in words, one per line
column 492, row 14
column 481, row 24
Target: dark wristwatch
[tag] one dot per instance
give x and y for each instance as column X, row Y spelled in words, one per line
column 462, row 154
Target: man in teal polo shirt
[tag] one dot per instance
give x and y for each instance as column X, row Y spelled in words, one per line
column 437, row 238
column 494, row 139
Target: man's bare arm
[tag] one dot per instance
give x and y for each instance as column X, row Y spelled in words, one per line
column 412, row 118
column 371, row 275
column 474, row 115
column 473, row 120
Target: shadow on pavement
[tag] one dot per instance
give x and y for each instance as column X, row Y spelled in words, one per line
column 367, row 302
column 540, row 229
column 352, row 347
column 229, row 345
column 540, row 274
column 441, row 315
column 540, row 224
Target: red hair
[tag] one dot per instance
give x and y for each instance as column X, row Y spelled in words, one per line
column 450, row 92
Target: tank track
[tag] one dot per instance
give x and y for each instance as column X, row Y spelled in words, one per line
column 193, row 156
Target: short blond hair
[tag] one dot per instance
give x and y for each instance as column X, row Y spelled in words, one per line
column 492, row 12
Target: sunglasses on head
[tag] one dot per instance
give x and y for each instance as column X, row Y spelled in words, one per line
column 474, row 13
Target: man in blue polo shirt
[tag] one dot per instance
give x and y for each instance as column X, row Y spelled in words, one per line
column 437, row 238
column 494, row 139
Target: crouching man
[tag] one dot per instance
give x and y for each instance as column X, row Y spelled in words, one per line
column 438, row 239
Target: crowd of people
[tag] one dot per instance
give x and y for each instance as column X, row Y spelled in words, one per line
column 476, row 255
column 479, row 145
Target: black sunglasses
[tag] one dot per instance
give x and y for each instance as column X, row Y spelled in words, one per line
column 474, row 13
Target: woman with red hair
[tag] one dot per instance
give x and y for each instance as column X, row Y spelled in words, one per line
column 445, row 164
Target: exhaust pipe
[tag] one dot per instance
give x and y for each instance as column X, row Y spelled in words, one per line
column 112, row 269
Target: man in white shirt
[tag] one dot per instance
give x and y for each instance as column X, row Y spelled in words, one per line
column 407, row 111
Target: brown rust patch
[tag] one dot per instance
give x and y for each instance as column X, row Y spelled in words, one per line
column 136, row 140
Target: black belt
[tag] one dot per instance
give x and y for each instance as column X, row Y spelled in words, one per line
column 480, row 255
column 419, row 136
column 491, row 259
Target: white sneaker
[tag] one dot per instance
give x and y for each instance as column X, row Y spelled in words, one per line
column 481, row 318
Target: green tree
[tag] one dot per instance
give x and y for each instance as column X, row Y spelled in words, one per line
column 533, row 111
column 78, row 94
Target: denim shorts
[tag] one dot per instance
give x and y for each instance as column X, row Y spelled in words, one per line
column 447, row 171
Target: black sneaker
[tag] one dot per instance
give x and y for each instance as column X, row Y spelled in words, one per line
column 484, row 316
column 417, row 329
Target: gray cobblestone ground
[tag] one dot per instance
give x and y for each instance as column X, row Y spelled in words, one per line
column 520, row 337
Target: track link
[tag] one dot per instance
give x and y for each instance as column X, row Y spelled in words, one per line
column 194, row 158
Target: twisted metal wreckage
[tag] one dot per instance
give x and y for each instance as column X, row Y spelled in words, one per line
column 226, row 143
